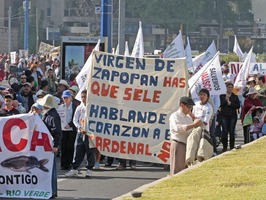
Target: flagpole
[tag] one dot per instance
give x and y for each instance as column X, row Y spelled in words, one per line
column 206, row 67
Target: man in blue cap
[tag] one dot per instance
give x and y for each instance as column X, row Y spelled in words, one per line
column 68, row 130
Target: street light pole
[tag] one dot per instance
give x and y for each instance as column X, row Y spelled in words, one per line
column 9, row 30
column 26, row 25
column 121, row 27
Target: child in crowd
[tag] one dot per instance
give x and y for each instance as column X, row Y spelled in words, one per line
column 256, row 128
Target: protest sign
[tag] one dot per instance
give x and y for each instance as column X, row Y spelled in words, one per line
column 209, row 77
column 129, row 104
column 26, row 157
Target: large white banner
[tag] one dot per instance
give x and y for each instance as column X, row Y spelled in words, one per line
column 209, row 77
column 129, row 104
column 26, row 157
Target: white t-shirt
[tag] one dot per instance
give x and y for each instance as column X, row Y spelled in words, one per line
column 204, row 113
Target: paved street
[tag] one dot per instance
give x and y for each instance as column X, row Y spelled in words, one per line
column 108, row 182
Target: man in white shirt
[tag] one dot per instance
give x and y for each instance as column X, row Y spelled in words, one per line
column 203, row 109
column 82, row 141
column 181, row 125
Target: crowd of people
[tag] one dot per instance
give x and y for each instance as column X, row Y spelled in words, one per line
column 41, row 91
column 217, row 116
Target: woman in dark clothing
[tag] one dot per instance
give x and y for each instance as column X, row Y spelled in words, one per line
column 250, row 102
column 229, row 104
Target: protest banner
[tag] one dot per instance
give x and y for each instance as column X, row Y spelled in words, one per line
column 254, row 68
column 13, row 56
column 26, row 157
column 209, row 77
column 129, row 104
column 23, row 53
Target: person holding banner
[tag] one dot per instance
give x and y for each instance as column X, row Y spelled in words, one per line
column 195, row 150
column 229, row 105
column 52, row 121
column 181, row 125
column 82, row 143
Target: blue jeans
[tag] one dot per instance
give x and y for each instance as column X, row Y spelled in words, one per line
column 228, row 126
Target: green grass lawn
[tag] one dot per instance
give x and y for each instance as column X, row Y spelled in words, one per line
column 240, row 174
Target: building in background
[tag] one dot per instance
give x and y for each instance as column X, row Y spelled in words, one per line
column 82, row 18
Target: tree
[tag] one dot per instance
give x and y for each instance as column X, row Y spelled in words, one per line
column 169, row 14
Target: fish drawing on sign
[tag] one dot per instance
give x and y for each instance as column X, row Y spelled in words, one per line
column 24, row 163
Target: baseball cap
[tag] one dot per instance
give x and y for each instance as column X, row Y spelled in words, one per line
column 66, row 93
column 38, row 106
column 187, row 100
column 28, row 84
column 10, row 96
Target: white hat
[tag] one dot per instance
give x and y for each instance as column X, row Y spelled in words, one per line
column 251, row 79
column 252, row 91
column 63, row 82
column 40, row 92
column 74, row 88
column 47, row 101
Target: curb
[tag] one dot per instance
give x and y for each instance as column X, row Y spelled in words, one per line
column 138, row 192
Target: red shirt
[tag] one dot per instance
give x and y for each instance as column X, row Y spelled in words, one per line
column 248, row 103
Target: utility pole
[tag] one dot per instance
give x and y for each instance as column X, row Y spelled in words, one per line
column 26, row 25
column 107, row 21
column 9, row 30
column 37, row 30
column 121, row 26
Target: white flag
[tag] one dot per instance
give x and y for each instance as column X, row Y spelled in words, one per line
column 117, row 50
column 189, row 54
column 138, row 49
column 253, row 58
column 81, row 78
column 242, row 75
column 126, row 49
column 175, row 49
column 209, row 77
column 238, row 51
column 205, row 57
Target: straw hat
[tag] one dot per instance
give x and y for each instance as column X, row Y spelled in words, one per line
column 251, row 79
column 252, row 91
column 63, row 82
column 74, row 88
column 48, row 101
